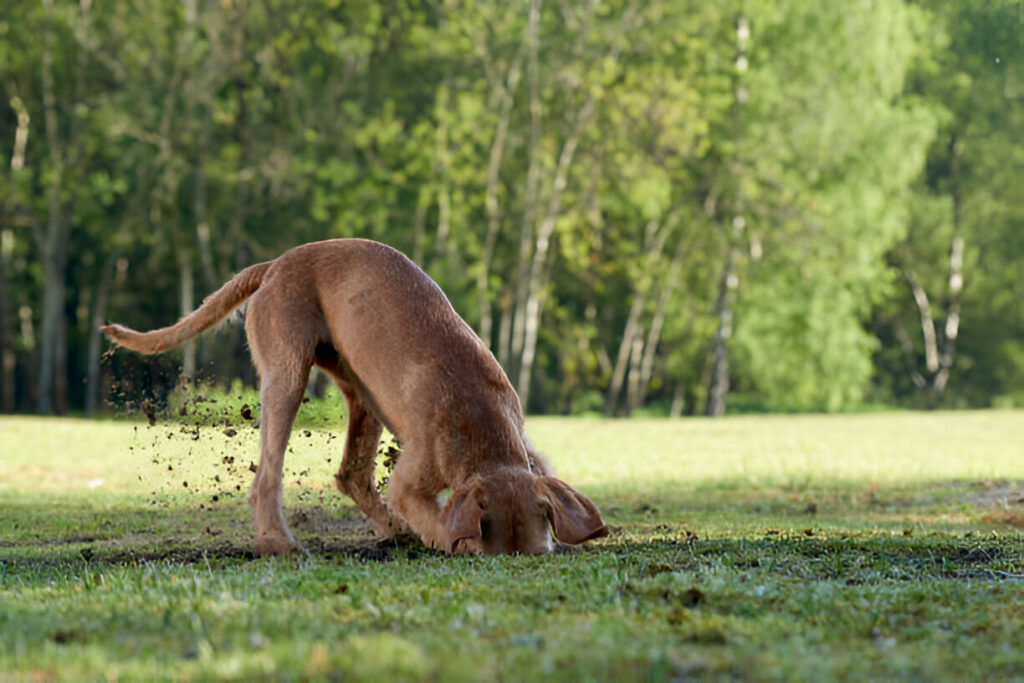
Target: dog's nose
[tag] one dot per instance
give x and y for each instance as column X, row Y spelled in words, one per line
column 540, row 547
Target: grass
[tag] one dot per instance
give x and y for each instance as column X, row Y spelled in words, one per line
column 804, row 548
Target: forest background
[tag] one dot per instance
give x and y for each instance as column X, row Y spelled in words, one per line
column 666, row 206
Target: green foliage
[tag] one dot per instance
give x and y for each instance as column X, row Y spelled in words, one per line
column 968, row 72
column 577, row 178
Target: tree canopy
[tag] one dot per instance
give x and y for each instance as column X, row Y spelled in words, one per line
column 660, row 205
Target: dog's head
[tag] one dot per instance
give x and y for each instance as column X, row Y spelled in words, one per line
column 519, row 512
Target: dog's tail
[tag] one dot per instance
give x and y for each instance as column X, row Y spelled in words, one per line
column 214, row 308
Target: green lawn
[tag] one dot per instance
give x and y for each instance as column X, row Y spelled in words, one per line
column 805, row 548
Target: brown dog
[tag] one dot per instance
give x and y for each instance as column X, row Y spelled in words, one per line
column 402, row 357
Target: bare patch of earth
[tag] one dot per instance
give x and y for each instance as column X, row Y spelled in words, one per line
column 1002, row 493
column 1004, row 499
column 322, row 531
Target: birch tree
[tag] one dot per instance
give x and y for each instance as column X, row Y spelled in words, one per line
column 961, row 209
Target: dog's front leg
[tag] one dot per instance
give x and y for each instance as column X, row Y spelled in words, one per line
column 413, row 500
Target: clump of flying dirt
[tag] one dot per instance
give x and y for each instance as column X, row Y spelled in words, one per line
column 204, row 444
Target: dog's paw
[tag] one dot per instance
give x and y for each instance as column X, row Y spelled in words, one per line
column 467, row 546
column 398, row 527
column 276, row 545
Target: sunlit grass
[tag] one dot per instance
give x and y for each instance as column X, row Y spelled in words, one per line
column 764, row 547
column 908, row 448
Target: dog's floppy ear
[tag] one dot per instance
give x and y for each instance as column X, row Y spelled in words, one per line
column 462, row 513
column 573, row 516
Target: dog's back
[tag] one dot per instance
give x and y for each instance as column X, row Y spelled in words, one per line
column 417, row 364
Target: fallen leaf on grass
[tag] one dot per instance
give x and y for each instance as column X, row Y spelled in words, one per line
column 1015, row 518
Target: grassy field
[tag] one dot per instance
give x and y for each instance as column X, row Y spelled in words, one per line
column 804, row 548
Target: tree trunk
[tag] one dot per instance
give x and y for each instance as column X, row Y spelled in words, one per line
column 951, row 329
column 444, row 195
column 718, row 390
column 728, row 284
column 678, row 401
column 505, row 99
column 924, row 310
column 535, row 266
column 511, row 348
column 718, row 387
column 654, row 243
column 187, row 298
column 51, row 329
column 69, row 162
column 7, row 358
column 210, row 277
column 537, row 282
column 630, row 331
column 99, row 315
column 638, row 388
column 54, row 240
column 236, row 226
column 60, row 366
column 939, row 343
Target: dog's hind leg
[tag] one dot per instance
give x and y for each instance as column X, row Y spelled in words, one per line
column 284, row 362
column 356, row 476
column 280, row 395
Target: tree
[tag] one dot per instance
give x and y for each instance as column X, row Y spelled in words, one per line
column 637, row 205
column 827, row 150
column 956, row 258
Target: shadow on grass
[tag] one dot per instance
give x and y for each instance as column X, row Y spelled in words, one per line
column 816, row 531
column 849, row 560
column 135, row 536
column 837, row 506
column 36, row 534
